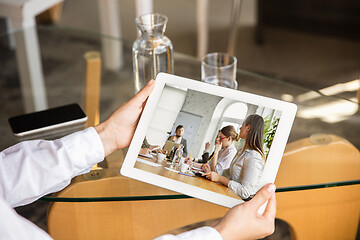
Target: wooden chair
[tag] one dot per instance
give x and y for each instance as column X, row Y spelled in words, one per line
column 92, row 87
column 326, row 213
column 143, row 219
column 51, row 16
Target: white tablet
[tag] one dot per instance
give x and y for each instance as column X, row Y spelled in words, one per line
column 202, row 110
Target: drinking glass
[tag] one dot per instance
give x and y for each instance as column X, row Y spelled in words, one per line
column 219, row 69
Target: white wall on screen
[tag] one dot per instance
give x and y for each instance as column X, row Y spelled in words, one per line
column 215, row 120
column 201, row 104
column 170, row 104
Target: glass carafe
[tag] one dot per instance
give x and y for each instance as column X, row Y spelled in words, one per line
column 152, row 51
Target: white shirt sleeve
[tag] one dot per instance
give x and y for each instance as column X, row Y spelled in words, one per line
column 14, row 227
column 251, row 173
column 225, row 159
column 32, row 169
column 207, row 233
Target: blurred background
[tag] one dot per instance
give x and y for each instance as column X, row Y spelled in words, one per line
column 310, row 43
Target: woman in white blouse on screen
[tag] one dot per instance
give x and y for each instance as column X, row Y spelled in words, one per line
column 224, row 150
column 245, row 169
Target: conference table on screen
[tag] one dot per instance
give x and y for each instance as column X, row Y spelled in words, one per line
column 164, row 169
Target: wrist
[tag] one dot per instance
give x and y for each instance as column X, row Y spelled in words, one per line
column 220, row 227
column 223, row 180
column 107, row 138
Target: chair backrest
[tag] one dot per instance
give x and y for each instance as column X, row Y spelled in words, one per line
column 143, row 219
column 92, row 87
column 326, row 213
column 50, row 16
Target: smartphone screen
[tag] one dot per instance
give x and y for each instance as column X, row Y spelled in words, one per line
column 47, row 119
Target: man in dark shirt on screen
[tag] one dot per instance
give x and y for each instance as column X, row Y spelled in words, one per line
column 178, row 138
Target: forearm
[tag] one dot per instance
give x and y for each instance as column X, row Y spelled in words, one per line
column 108, row 138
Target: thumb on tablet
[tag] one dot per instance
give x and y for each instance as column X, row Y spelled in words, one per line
column 266, row 193
column 144, row 93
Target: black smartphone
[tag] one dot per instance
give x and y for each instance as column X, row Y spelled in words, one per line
column 49, row 119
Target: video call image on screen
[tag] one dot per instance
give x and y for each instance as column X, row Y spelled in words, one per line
column 185, row 120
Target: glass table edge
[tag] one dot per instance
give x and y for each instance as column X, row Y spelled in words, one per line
column 182, row 196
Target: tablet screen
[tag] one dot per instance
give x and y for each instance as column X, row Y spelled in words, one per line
column 236, row 138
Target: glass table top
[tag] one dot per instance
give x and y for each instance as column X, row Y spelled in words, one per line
column 333, row 110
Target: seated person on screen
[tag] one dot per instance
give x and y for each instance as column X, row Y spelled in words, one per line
column 224, row 150
column 245, row 169
column 204, row 157
column 178, row 138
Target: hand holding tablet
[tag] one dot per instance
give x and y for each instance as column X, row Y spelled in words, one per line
column 242, row 221
column 175, row 99
column 256, row 224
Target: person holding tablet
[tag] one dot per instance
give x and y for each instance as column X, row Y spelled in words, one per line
column 245, row 169
column 224, row 150
column 32, row 169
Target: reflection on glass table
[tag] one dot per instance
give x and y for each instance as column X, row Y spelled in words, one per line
column 318, row 179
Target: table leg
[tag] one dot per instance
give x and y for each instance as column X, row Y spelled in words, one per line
column 30, row 70
column 9, row 29
column 235, row 15
column 111, row 45
column 143, row 7
column 202, row 27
